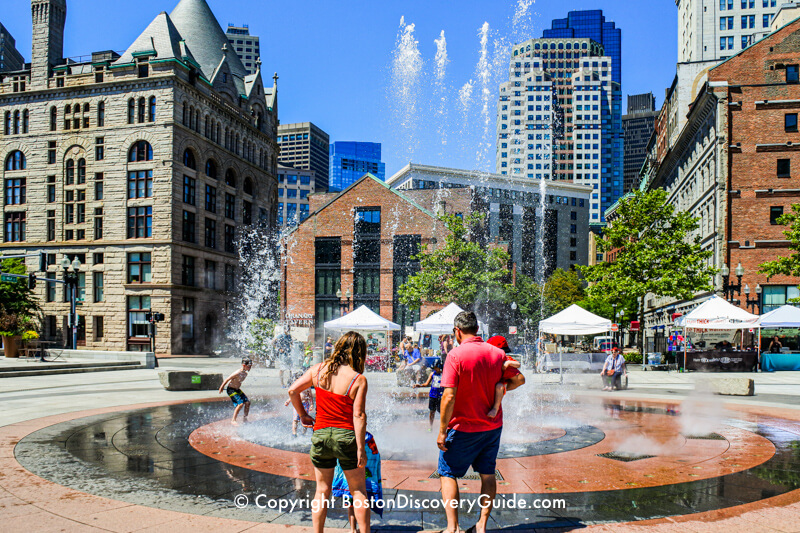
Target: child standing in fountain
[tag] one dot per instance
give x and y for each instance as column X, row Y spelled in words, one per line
column 510, row 366
column 239, row 398
column 308, row 404
column 435, row 395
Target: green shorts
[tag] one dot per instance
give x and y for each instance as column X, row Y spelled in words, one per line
column 330, row 444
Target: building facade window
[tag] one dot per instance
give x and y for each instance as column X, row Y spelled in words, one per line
column 404, row 247
column 189, row 226
column 366, row 258
column 140, row 184
column 16, row 161
column 230, row 278
column 211, row 199
column 140, row 151
column 230, row 206
column 784, row 168
column 140, row 222
column 188, row 159
column 211, row 233
column 188, row 190
column 15, row 191
column 230, row 238
column 187, row 271
column 97, row 286
column 138, row 307
column 790, row 122
column 15, row 227
column 327, row 273
column 775, row 212
column 211, row 275
column 99, row 148
column 139, row 267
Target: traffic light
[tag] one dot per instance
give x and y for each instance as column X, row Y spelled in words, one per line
column 42, row 262
column 31, row 280
column 148, row 317
column 158, row 317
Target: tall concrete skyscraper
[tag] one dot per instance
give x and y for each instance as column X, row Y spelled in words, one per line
column 351, row 160
column 10, row 58
column 638, row 125
column 305, row 146
column 717, row 29
column 559, row 115
column 246, row 46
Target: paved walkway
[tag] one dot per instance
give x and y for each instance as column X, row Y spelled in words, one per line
column 31, row 403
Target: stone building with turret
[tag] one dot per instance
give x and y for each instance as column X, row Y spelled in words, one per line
column 146, row 165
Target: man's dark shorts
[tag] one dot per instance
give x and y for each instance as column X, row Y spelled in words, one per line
column 478, row 450
column 331, row 444
column 237, row 396
column 433, row 404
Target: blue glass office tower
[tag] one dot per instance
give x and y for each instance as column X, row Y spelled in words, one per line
column 592, row 24
column 351, row 160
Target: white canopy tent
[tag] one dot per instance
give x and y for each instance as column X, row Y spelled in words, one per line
column 575, row 320
column 786, row 316
column 441, row 322
column 362, row 319
column 715, row 313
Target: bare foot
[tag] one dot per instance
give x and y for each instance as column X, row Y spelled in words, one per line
column 492, row 413
column 234, row 423
column 244, row 420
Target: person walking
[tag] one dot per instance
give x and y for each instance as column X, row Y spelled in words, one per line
column 467, row 436
column 340, row 427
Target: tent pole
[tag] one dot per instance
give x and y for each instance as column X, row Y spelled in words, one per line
column 759, row 349
column 685, row 343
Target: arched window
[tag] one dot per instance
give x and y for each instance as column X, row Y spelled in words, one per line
column 101, row 114
column 151, row 114
column 15, row 161
column 184, row 114
column 248, row 186
column 53, row 118
column 206, row 133
column 7, row 123
column 131, row 111
column 25, row 120
column 230, row 178
column 70, row 178
column 16, row 122
column 211, row 169
column 140, row 151
column 67, row 109
column 188, row 159
column 81, row 171
column 86, row 107
column 141, row 110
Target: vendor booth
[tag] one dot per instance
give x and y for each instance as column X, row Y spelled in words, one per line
column 718, row 314
column 782, row 356
column 364, row 319
column 574, row 320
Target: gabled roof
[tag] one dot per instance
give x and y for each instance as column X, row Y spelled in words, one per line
column 161, row 39
column 199, row 27
column 384, row 185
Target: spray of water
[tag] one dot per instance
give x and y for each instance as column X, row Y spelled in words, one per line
column 440, row 87
column 405, row 84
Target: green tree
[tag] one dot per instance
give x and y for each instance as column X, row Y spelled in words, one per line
column 457, row 271
column 657, row 252
column 18, row 304
column 562, row 289
column 787, row 265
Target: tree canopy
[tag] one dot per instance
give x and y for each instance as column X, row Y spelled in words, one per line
column 459, row 270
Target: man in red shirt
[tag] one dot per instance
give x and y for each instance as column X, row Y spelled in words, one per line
column 467, row 436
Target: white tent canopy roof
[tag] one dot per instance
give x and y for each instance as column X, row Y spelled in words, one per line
column 786, row 316
column 717, row 313
column 575, row 320
column 363, row 319
column 439, row 322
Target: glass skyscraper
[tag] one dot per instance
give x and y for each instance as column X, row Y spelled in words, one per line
column 591, row 24
column 351, row 160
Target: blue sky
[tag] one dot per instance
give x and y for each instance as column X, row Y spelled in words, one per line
column 335, row 60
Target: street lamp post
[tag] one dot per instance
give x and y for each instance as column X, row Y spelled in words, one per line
column 71, row 285
column 755, row 302
column 344, row 306
column 728, row 288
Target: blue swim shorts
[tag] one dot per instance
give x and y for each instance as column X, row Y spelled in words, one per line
column 478, row 450
column 237, row 396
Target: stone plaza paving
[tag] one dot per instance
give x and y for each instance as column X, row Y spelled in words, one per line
column 114, row 451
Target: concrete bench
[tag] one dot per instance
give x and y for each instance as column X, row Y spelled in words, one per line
column 178, row 380
column 727, row 386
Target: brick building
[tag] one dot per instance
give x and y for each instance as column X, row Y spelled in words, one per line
column 733, row 165
column 145, row 166
column 359, row 243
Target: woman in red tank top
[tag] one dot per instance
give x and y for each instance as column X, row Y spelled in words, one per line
column 341, row 425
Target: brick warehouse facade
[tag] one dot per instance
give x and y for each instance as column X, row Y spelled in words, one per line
column 146, row 166
column 734, row 166
column 360, row 241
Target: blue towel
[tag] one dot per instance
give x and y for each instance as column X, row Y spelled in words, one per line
column 373, row 471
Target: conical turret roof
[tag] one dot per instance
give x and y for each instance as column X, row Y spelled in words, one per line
column 161, row 38
column 204, row 36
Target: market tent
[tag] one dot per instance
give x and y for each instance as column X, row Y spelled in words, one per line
column 786, row 316
column 363, row 319
column 439, row 322
column 717, row 313
column 575, row 320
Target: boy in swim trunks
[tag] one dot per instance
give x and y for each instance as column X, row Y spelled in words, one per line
column 239, row 398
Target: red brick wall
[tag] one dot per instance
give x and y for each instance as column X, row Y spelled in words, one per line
column 398, row 217
column 758, row 74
